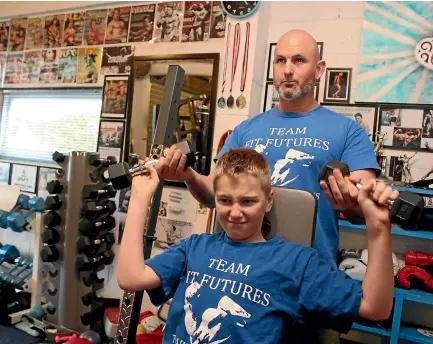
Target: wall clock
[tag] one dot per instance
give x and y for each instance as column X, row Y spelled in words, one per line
column 240, row 9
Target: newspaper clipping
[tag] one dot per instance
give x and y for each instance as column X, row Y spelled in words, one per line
column 117, row 60
column 111, row 139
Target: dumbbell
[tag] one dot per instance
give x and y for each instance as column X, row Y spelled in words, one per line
column 91, row 209
column 121, row 174
column 95, row 160
column 86, row 226
column 20, row 266
column 91, row 279
column 52, row 219
column 49, row 254
column 88, row 298
column 53, row 202
column 89, row 192
column 406, row 210
column 85, row 263
column 84, row 244
column 17, row 221
column 54, row 187
column 50, row 236
column 58, row 157
column 22, row 203
column 8, row 253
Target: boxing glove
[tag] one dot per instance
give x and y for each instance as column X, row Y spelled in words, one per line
column 410, row 271
column 355, row 268
column 350, row 253
column 418, row 259
column 362, row 255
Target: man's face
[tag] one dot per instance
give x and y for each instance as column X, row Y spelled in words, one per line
column 241, row 205
column 358, row 119
column 169, row 11
column 116, row 15
column 294, row 70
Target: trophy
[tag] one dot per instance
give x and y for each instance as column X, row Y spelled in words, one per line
column 406, row 175
column 378, row 150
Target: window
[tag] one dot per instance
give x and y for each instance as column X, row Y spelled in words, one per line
column 36, row 123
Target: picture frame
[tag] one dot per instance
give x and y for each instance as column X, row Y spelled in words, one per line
column 407, row 127
column 5, row 173
column 115, row 96
column 337, row 85
column 271, row 97
column 316, row 91
column 110, row 138
column 271, row 53
column 45, row 175
column 25, row 176
column 364, row 114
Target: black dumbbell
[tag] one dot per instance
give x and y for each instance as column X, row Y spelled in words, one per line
column 53, row 202
column 88, row 298
column 85, row 263
column 93, row 317
column 89, row 192
column 52, row 219
column 121, row 174
column 95, row 160
column 85, row 245
column 49, row 254
column 58, row 157
column 86, row 226
column 54, row 187
column 406, row 210
column 91, row 279
column 91, row 209
column 50, row 236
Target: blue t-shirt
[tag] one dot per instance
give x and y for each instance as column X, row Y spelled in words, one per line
column 250, row 292
column 297, row 146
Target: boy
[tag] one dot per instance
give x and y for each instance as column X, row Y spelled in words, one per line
column 240, row 288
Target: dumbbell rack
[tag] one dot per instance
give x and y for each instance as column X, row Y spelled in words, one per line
column 68, row 282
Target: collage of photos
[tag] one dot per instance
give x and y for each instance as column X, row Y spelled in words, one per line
column 110, row 138
column 406, row 127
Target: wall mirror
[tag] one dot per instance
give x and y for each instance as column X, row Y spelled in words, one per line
column 196, row 111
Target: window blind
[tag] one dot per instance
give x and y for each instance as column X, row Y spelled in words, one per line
column 36, row 123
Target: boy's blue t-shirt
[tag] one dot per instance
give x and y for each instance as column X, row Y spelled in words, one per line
column 297, row 146
column 250, row 292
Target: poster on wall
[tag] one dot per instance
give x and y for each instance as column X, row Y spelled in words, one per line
column 364, row 115
column 13, row 68
column 46, row 175
column 53, row 30
column 171, row 232
column 31, row 67
column 115, row 97
column 49, row 66
column 4, row 35
column 94, row 27
column 408, row 128
column 117, row 25
column 73, row 31
column 337, row 85
column 68, row 64
column 196, row 21
column 25, row 177
column 168, row 21
column 218, row 21
column 5, row 171
column 35, row 33
column 110, row 138
column 142, row 20
column 117, row 60
column 89, row 63
column 395, row 62
column 272, row 98
column 17, row 36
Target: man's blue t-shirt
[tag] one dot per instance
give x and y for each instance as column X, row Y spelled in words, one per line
column 250, row 292
column 297, row 146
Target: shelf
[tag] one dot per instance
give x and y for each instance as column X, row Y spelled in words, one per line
column 369, row 329
column 415, row 190
column 395, row 230
column 415, row 295
column 412, row 334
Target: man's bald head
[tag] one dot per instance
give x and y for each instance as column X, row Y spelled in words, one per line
column 302, row 41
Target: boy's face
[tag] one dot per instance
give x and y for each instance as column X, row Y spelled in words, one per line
column 241, row 205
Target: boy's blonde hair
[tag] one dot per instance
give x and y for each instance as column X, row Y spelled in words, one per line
column 237, row 161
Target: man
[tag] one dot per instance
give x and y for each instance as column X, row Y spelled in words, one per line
column 170, row 25
column 297, row 137
column 362, row 123
column 199, row 16
column 337, row 84
column 116, row 29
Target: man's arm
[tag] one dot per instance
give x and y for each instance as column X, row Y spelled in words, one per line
column 201, row 187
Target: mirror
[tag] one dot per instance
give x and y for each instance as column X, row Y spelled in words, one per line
column 196, row 110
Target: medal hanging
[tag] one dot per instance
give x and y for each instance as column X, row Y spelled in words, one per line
column 236, row 43
column 221, row 100
column 241, row 101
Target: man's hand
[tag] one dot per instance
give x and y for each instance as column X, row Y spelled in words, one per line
column 144, row 185
column 172, row 165
column 342, row 192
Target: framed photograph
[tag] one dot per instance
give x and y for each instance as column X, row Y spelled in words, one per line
column 46, row 175
column 25, row 176
column 365, row 115
column 316, row 90
column 5, row 172
column 272, row 97
column 114, row 97
column 406, row 127
column 270, row 75
column 110, row 139
column 337, row 85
